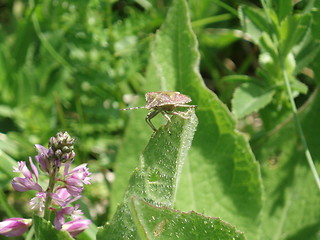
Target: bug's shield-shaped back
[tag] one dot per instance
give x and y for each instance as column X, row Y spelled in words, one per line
column 156, row 99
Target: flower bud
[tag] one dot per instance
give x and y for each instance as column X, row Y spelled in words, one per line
column 53, row 142
column 25, row 184
column 62, row 144
column 13, row 227
column 76, row 226
column 43, row 157
column 58, row 153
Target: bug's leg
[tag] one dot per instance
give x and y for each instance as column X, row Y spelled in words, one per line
column 165, row 114
column 149, row 116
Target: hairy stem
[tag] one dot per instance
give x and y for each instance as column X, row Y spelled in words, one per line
column 49, row 190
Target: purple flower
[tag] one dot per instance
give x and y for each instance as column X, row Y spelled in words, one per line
column 63, row 187
column 25, row 184
column 29, row 182
column 13, row 227
column 76, row 178
column 34, row 169
column 74, row 186
column 62, row 197
column 77, row 226
column 22, row 168
column 72, row 212
column 38, row 201
column 81, row 172
column 43, row 158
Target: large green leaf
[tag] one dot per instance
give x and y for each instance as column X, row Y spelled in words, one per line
column 157, row 177
column 248, row 98
column 221, row 177
column 292, row 207
column 164, row 223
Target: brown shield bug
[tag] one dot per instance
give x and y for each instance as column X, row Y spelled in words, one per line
column 164, row 102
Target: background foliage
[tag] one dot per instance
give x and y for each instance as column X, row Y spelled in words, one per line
column 71, row 65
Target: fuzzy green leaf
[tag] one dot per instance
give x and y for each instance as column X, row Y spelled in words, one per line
column 221, row 177
column 164, row 223
column 249, row 98
column 157, row 177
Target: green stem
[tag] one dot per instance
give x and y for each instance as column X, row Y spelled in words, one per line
column 52, row 181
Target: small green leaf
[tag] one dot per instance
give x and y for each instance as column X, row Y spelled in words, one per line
column 305, row 52
column 45, row 230
column 156, row 179
column 164, row 223
column 298, row 86
column 284, row 8
column 253, row 22
column 292, row 30
column 267, row 45
column 249, row 98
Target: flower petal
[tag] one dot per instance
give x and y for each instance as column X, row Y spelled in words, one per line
column 34, row 169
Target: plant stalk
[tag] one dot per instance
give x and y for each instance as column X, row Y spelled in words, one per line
column 49, row 190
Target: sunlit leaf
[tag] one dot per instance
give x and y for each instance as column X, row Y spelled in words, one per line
column 249, row 98
column 157, row 176
column 164, row 223
column 221, row 177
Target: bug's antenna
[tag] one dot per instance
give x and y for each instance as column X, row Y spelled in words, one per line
column 132, row 108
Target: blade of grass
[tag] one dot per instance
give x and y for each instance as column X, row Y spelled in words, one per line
column 213, row 19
